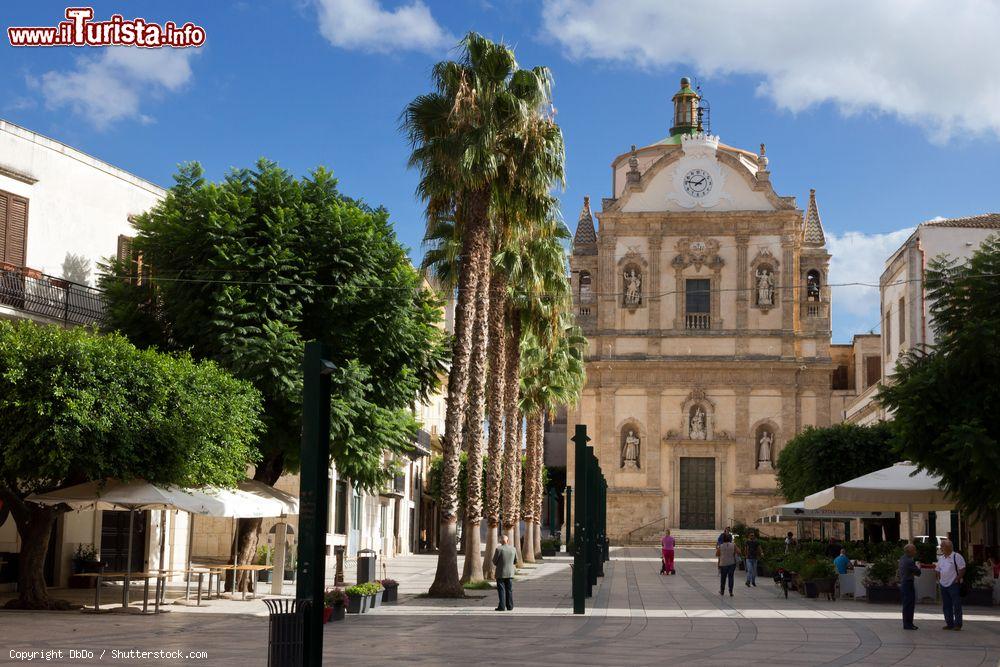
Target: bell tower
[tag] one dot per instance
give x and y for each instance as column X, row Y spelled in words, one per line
column 685, row 109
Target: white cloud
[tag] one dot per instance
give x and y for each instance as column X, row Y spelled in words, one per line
column 365, row 26
column 860, row 258
column 928, row 62
column 111, row 87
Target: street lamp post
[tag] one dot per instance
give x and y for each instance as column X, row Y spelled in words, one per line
column 314, row 492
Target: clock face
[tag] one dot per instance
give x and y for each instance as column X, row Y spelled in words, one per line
column 697, row 183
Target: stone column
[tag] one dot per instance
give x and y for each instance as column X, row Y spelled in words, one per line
column 651, row 445
column 679, row 297
column 654, row 290
column 789, row 294
column 742, row 295
column 745, row 463
column 608, row 297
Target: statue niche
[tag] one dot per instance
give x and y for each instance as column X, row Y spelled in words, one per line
column 698, row 412
column 630, row 448
column 697, row 423
column 763, row 278
column 632, row 287
column 764, row 445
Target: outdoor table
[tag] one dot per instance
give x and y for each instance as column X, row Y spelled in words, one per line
column 253, row 570
column 127, row 578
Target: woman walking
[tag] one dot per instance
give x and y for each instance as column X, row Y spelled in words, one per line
column 667, row 565
column 727, row 552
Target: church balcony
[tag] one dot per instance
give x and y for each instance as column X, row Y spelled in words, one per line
column 815, row 309
column 698, row 321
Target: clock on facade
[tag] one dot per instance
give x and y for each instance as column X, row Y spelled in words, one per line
column 697, row 183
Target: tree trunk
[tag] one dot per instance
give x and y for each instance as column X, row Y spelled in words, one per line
column 512, row 445
column 495, row 406
column 474, row 244
column 248, row 530
column 519, row 492
column 539, row 492
column 34, row 523
column 530, row 481
column 472, row 570
column 538, row 540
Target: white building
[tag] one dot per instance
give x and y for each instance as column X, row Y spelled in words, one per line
column 61, row 212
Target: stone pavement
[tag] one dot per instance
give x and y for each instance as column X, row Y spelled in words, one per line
column 636, row 617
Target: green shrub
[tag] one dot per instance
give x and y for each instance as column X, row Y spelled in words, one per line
column 552, row 544
column 975, row 574
column 926, row 552
column 370, row 588
column 819, row 568
column 883, row 572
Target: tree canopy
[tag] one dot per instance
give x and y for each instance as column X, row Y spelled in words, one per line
column 945, row 399
column 76, row 406
column 818, row 458
column 245, row 271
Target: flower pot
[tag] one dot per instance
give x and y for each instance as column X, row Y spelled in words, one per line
column 549, row 552
column 979, row 597
column 327, row 613
column 264, row 576
column 390, row 593
column 883, row 594
column 811, row 589
column 377, row 598
column 289, row 575
column 338, row 612
column 357, row 604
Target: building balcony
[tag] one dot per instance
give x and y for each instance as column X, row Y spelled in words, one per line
column 698, row 321
column 31, row 294
column 815, row 309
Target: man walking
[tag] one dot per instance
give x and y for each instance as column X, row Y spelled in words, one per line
column 950, row 572
column 907, row 570
column 668, row 554
column 754, row 552
column 503, row 562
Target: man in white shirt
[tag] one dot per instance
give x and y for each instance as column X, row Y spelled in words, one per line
column 950, row 571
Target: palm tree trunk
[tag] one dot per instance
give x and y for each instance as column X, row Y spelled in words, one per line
column 512, row 446
column 475, row 244
column 519, row 491
column 530, row 482
column 495, row 406
column 539, row 493
column 472, row 570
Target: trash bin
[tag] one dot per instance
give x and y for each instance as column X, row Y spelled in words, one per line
column 286, row 631
column 366, row 565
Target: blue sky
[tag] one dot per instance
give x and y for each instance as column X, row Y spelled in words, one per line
column 892, row 122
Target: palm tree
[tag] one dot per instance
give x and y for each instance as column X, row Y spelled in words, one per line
column 553, row 376
column 461, row 135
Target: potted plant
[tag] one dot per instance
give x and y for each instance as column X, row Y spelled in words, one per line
column 263, row 558
column 550, row 547
column 979, row 593
column 376, row 593
column 819, row 576
column 882, row 582
column 390, row 589
column 334, row 601
column 85, row 559
column 290, row 563
column 357, row 599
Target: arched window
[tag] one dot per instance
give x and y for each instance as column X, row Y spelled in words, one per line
column 813, row 286
column 585, row 285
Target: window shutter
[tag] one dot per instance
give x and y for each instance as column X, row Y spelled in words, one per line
column 14, row 222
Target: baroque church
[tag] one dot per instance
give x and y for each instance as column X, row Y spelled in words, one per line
column 703, row 296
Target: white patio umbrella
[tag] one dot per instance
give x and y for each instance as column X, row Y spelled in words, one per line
column 137, row 495
column 898, row 488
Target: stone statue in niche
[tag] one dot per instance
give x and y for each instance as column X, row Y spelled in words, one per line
column 765, row 287
column 630, row 452
column 633, row 288
column 697, row 431
column 764, row 450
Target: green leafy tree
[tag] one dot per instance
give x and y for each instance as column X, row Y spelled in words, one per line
column 245, row 271
column 818, row 458
column 945, row 399
column 77, row 407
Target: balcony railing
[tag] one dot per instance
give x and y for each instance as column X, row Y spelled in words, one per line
column 698, row 321
column 34, row 292
column 815, row 309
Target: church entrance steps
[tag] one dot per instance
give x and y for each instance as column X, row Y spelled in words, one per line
column 690, row 539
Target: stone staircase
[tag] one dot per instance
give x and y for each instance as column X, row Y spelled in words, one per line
column 685, row 538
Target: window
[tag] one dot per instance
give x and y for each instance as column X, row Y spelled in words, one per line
column 902, row 320
column 585, row 283
column 13, row 228
column 697, row 293
column 340, row 508
column 812, row 286
column 873, row 370
column 887, row 334
column 356, row 509
column 839, row 379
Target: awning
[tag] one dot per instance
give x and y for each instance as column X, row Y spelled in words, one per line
column 898, row 488
column 798, row 512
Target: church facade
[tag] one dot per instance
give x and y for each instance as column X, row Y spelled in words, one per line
column 703, row 295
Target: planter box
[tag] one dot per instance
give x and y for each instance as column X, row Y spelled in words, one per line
column 979, row 597
column 357, row 604
column 327, row 613
column 334, row 613
column 546, row 553
column 884, row 594
column 816, row 587
column 264, row 576
column 376, row 599
column 390, row 593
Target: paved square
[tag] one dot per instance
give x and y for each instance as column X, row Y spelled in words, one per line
column 636, row 617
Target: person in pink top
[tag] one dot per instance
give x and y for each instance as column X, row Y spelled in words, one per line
column 668, row 554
